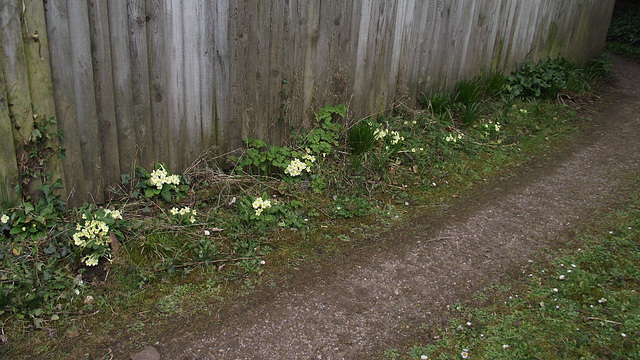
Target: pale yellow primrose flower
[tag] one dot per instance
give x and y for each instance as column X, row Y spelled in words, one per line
column 295, row 167
column 396, row 138
column 91, row 260
column 159, row 177
column 309, row 157
column 260, row 205
column 4, row 219
column 380, row 134
column 94, row 229
column 116, row 214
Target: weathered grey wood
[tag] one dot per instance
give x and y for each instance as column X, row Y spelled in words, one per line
column 274, row 75
column 207, row 75
column 81, row 63
column 103, row 84
column 191, row 32
column 163, row 80
column 221, row 65
column 12, row 59
column 157, row 32
column 175, row 85
column 65, row 99
column 36, row 49
column 138, row 48
column 8, row 164
column 123, row 84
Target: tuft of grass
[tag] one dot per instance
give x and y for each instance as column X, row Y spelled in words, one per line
column 585, row 304
column 468, row 92
column 438, row 102
column 361, row 137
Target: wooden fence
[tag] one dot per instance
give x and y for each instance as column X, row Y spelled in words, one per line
column 137, row 81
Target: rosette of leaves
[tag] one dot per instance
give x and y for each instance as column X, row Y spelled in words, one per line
column 168, row 191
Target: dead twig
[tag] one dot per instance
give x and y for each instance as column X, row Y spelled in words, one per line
column 211, row 262
column 603, row 320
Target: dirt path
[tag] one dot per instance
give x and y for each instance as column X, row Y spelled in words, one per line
column 347, row 311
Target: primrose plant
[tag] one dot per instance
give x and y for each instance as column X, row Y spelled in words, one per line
column 158, row 183
column 94, row 232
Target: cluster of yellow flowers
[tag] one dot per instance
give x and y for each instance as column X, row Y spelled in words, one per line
column 115, row 214
column 92, row 230
column 490, row 125
column 159, row 177
column 295, row 167
column 96, row 231
column 184, row 211
column 380, row 134
column 396, row 138
column 259, row 205
column 453, row 137
column 91, row 260
column 308, row 157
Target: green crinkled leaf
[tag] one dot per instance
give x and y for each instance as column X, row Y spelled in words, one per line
column 166, row 195
column 149, row 192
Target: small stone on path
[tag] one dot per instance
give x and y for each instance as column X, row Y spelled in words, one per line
column 148, row 353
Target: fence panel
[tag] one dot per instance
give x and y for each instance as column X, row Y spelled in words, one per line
column 140, row 81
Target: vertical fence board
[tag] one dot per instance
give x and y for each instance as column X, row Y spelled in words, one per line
column 263, row 113
column 275, row 73
column 235, row 128
column 13, row 62
column 122, row 83
column 175, row 84
column 310, row 53
column 65, row 99
column 138, row 48
column 81, row 63
column 192, row 99
column 206, row 81
column 36, row 47
column 103, row 81
column 8, row 164
column 157, row 31
column 222, row 79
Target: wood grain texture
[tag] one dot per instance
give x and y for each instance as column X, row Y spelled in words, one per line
column 122, row 67
column 12, row 59
column 8, row 164
column 157, row 31
column 103, row 85
column 65, row 100
column 140, row 86
column 86, row 110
